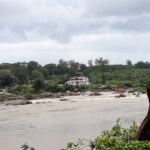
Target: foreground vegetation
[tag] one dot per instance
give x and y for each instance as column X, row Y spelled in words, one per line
column 118, row 138
column 29, row 78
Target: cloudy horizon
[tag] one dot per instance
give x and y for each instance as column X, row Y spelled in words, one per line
column 46, row 31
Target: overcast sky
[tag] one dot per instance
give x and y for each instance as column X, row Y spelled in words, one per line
column 48, row 30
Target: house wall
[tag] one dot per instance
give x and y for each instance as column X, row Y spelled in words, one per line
column 84, row 81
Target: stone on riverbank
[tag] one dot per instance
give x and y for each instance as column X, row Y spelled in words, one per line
column 18, row 102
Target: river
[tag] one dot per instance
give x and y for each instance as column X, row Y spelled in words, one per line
column 50, row 126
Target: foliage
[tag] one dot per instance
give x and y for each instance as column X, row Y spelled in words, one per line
column 2, row 98
column 125, row 134
column 38, row 84
column 29, row 96
column 36, row 74
column 6, row 77
column 118, row 138
column 32, row 65
column 55, row 75
column 21, row 73
column 26, row 147
column 101, row 61
column 22, row 89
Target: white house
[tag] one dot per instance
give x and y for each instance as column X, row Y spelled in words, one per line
column 78, row 81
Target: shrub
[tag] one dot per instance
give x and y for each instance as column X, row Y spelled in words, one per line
column 29, row 96
column 38, row 84
column 26, row 147
column 118, row 138
column 2, row 98
column 22, row 89
column 54, row 88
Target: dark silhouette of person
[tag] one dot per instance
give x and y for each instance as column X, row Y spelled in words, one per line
column 143, row 133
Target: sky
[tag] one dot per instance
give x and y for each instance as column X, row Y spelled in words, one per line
column 48, row 30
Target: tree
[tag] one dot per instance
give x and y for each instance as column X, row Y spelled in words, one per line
column 36, row 74
column 21, row 74
column 38, row 84
column 83, row 67
column 103, row 79
column 51, row 68
column 44, row 71
column 62, row 67
column 63, row 63
column 101, row 61
column 6, row 77
column 129, row 63
column 90, row 63
column 32, row 65
column 142, row 64
column 74, row 66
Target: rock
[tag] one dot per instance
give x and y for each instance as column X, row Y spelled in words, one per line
column 95, row 94
column 44, row 102
column 56, row 95
column 77, row 93
column 18, row 102
column 131, row 90
column 137, row 94
column 120, row 95
column 45, row 95
column 64, row 99
column 8, row 96
column 105, row 87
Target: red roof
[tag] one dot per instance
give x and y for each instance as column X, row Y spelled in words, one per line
column 77, row 78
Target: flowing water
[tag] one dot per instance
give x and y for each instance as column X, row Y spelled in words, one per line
column 50, row 126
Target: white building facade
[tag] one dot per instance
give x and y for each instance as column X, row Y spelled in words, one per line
column 78, row 81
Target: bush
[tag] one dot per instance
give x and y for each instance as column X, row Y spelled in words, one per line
column 38, row 84
column 54, row 88
column 26, row 147
column 82, row 88
column 93, row 87
column 118, row 138
column 69, row 87
column 29, row 96
column 22, row 89
column 2, row 98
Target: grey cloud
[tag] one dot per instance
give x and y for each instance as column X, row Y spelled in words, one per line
column 62, row 20
column 117, row 7
column 139, row 23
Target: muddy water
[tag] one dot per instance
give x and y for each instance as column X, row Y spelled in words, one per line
column 50, row 126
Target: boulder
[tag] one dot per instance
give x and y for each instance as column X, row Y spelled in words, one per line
column 95, row 94
column 120, row 95
column 64, row 99
column 18, row 102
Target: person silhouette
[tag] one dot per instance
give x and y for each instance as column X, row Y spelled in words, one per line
column 143, row 133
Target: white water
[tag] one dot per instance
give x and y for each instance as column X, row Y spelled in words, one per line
column 50, row 126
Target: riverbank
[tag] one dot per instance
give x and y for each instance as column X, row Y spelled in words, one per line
column 86, row 96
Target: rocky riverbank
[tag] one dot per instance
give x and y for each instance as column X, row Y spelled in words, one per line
column 45, row 97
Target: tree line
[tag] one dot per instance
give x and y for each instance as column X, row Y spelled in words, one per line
column 26, row 77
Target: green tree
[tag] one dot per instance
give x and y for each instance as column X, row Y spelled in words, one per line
column 129, row 63
column 62, row 67
column 52, row 68
column 44, row 71
column 21, row 74
column 36, row 74
column 90, row 63
column 101, row 61
column 38, row 84
column 6, row 77
column 32, row 65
